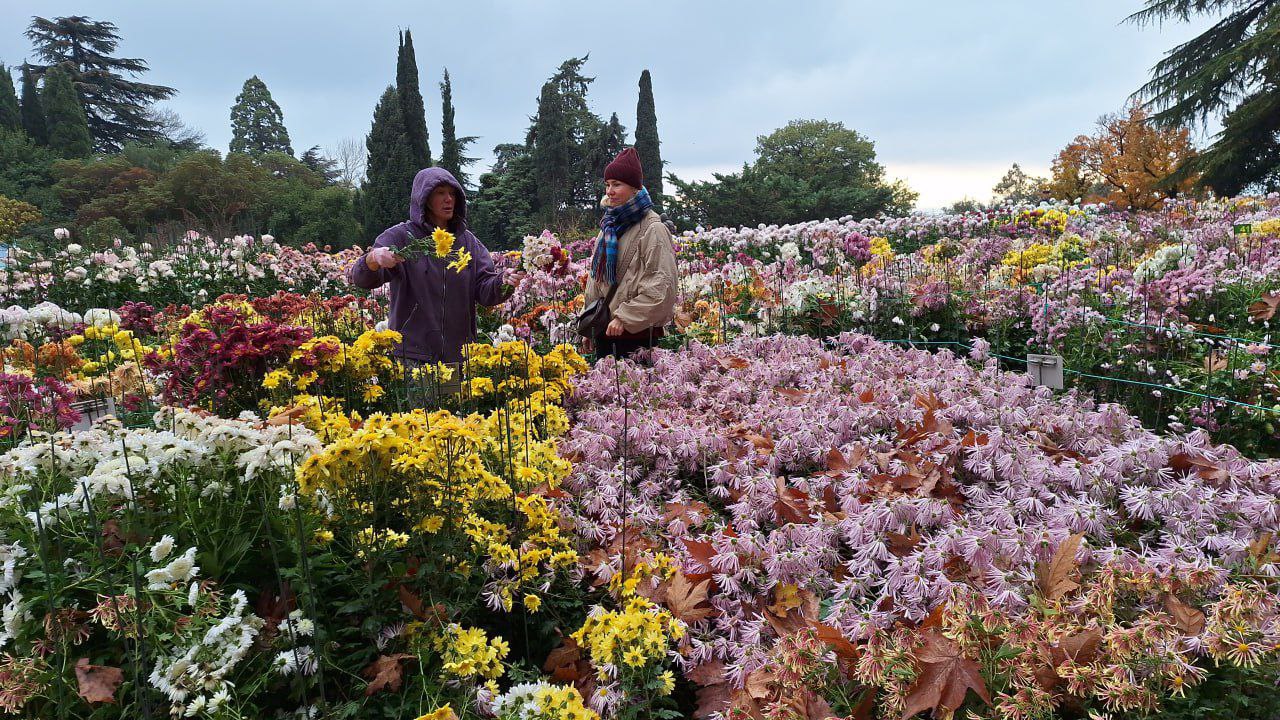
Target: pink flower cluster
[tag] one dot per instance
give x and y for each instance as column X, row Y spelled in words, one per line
column 881, row 478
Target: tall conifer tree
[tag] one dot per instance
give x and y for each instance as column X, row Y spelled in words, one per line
column 64, row 116
column 412, row 110
column 647, row 139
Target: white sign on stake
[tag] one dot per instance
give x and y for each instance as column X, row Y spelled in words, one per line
column 1045, row 370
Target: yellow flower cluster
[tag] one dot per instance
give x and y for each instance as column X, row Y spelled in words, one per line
column 1267, row 227
column 562, row 702
column 121, row 346
column 512, row 369
column 470, row 653
column 486, row 480
column 359, row 366
column 638, row 635
column 443, row 240
column 1028, row 257
column 1053, row 220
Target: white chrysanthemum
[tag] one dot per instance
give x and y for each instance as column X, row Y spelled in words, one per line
column 162, row 548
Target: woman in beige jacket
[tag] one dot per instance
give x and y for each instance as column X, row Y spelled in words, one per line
column 634, row 259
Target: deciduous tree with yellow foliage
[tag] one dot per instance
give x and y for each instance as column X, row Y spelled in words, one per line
column 1128, row 162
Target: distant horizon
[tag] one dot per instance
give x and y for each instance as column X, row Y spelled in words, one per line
column 951, row 97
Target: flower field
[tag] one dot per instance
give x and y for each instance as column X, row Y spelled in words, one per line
column 835, row 492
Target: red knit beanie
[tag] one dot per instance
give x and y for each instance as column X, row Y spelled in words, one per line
column 626, row 168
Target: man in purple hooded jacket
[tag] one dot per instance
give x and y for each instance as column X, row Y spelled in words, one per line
column 432, row 306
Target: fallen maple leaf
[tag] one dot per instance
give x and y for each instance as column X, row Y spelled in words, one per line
column 786, row 597
column 686, row 600
column 946, row 676
column 732, row 363
column 1188, row 619
column 385, row 672
column 713, row 700
column 792, row 505
column 97, row 683
column 1266, row 308
column 563, row 662
column 1080, row 648
column 1055, row 578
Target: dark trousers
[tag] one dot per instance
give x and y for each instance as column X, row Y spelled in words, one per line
column 627, row 345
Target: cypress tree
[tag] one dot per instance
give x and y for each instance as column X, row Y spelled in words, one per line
column 384, row 197
column 64, row 116
column 452, row 147
column 412, row 110
column 10, row 113
column 33, row 121
column 552, row 153
column 647, row 139
column 257, row 124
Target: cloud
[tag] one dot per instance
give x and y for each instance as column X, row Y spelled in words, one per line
column 941, row 184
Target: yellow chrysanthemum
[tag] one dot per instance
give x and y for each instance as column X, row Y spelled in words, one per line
column 443, row 240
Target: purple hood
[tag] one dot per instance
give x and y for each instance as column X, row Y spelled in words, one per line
column 433, row 307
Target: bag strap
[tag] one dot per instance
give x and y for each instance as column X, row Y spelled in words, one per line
column 613, row 290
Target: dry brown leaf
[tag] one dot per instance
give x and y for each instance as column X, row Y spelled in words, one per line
column 713, row 700
column 792, row 505
column 708, row 673
column 565, row 662
column 688, row 601
column 1055, row 578
column 900, row 544
column 1080, row 648
column 1266, row 308
column 288, row 416
column 385, row 672
column 844, row 649
column 97, row 683
column 1215, row 361
column 733, row 363
column 1188, row 619
column 946, row 676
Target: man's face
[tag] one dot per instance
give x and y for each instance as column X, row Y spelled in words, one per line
column 441, row 203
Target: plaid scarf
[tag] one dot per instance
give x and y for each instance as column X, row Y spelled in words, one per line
column 616, row 221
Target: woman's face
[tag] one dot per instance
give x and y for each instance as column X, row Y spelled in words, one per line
column 441, row 203
column 618, row 192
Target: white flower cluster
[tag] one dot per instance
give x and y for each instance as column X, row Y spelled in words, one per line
column 179, row 571
column 520, row 702
column 119, row 462
column 296, row 657
column 536, row 254
column 195, row 678
column 13, row 613
column 1163, row 260
column 506, row 333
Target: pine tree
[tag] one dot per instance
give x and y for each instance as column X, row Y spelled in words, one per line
column 384, row 198
column 116, row 107
column 452, row 147
column 33, row 121
column 10, row 112
column 647, row 139
column 325, row 168
column 1230, row 71
column 412, row 110
column 257, row 124
column 64, row 116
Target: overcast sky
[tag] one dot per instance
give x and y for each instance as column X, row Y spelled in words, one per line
column 951, row 92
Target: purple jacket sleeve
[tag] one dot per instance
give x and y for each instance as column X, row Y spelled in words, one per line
column 488, row 279
column 359, row 273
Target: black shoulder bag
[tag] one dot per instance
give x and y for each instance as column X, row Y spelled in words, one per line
column 594, row 318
